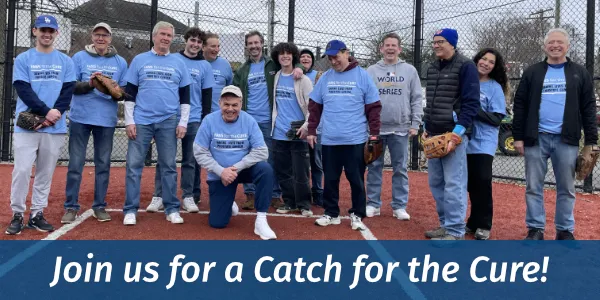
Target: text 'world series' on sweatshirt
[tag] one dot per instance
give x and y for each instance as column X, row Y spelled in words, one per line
column 400, row 94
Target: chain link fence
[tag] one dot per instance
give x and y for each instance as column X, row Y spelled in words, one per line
column 515, row 27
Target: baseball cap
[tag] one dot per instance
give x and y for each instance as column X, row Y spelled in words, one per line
column 102, row 25
column 232, row 89
column 333, row 47
column 47, row 21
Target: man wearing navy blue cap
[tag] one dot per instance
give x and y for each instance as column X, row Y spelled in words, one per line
column 345, row 101
column 44, row 79
column 452, row 102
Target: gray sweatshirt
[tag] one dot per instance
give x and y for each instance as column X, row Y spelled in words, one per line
column 401, row 95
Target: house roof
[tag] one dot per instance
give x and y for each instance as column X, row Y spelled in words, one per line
column 119, row 14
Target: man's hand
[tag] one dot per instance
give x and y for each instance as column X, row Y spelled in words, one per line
column 302, row 133
column 519, row 146
column 180, row 132
column 53, row 115
column 228, row 175
column 92, row 78
column 297, row 73
column 312, row 140
column 424, row 136
column 131, row 132
column 412, row 132
column 450, row 147
column 46, row 123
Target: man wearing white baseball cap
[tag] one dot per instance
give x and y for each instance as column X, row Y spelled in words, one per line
column 231, row 147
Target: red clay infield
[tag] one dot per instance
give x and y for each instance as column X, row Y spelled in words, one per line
column 509, row 214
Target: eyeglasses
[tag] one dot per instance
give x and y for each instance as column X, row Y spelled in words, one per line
column 439, row 43
column 99, row 35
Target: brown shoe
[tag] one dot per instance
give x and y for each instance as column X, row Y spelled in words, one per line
column 276, row 202
column 249, row 204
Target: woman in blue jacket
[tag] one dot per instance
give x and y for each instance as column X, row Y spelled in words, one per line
column 484, row 140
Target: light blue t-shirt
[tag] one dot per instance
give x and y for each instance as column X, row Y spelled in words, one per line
column 484, row 139
column 158, row 79
column 554, row 93
column 223, row 77
column 96, row 108
column 288, row 109
column 202, row 78
column 258, row 96
column 312, row 75
column 46, row 73
column 344, row 96
column 228, row 142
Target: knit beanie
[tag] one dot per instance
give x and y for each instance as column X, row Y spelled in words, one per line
column 451, row 35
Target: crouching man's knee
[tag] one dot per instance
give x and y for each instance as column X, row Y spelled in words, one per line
column 217, row 223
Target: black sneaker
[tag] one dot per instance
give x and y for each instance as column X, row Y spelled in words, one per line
column 564, row 235
column 535, row 234
column 38, row 222
column 16, row 225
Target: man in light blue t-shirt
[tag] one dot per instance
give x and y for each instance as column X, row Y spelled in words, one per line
column 159, row 85
column 345, row 102
column 231, row 147
column 200, row 102
column 44, row 79
column 220, row 66
column 92, row 113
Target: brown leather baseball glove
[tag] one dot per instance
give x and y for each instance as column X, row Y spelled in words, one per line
column 586, row 161
column 108, row 86
column 373, row 149
column 30, row 121
column 436, row 146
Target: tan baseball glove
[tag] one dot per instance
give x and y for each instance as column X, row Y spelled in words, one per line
column 108, row 86
column 586, row 161
column 436, row 146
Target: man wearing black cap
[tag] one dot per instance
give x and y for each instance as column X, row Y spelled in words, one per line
column 452, row 103
column 307, row 59
column 348, row 101
column 44, row 79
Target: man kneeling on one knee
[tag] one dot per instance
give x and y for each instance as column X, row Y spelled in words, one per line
column 230, row 146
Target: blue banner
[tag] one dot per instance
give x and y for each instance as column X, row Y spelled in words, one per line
column 299, row 269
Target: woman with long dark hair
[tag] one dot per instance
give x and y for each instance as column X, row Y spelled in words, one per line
column 482, row 146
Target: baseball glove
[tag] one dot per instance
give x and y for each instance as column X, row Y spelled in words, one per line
column 295, row 125
column 108, row 86
column 435, row 146
column 586, row 161
column 373, row 149
column 29, row 121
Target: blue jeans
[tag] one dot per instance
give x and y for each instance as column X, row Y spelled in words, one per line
column 249, row 188
column 448, row 183
column 316, row 167
column 563, row 159
column 190, row 170
column 166, row 145
column 79, row 135
column 398, row 146
column 222, row 197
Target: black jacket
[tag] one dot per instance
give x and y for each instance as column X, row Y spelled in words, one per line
column 580, row 105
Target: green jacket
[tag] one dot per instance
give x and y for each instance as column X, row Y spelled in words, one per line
column 240, row 79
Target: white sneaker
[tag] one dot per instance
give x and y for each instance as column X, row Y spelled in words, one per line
column 155, row 205
column 401, row 214
column 189, row 205
column 373, row 211
column 326, row 220
column 129, row 219
column 307, row 213
column 357, row 223
column 262, row 229
column 175, row 218
column 234, row 209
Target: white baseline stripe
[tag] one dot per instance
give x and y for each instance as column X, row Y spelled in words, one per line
column 66, row 228
column 241, row 213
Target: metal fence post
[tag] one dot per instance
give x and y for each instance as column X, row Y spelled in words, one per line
column 153, row 18
column 291, row 19
column 589, row 63
column 418, row 37
column 8, row 71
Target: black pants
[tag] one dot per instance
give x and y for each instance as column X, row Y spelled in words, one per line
column 351, row 159
column 480, row 191
column 292, row 172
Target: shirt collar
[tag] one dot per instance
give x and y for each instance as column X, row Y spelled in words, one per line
column 156, row 53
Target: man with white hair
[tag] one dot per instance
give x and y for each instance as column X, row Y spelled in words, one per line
column 554, row 100
column 159, row 85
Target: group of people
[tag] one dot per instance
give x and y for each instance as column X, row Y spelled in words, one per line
column 276, row 124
